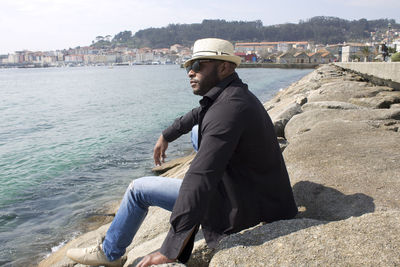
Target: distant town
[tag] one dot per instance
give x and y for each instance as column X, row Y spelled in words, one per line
column 378, row 48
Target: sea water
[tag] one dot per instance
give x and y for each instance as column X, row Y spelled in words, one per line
column 72, row 139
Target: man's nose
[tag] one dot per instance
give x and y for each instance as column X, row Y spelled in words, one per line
column 191, row 73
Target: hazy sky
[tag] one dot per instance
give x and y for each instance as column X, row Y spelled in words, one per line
column 57, row 24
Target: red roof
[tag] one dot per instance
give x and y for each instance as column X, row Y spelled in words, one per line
column 240, row 54
column 269, row 43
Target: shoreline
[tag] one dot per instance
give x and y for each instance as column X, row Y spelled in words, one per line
column 280, row 65
column 321, row 120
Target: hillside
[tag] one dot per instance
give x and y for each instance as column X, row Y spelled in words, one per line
column 323, row 30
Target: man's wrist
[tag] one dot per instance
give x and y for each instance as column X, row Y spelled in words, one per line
column 170, row 134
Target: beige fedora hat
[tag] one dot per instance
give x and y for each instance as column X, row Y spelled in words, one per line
column 213, row 48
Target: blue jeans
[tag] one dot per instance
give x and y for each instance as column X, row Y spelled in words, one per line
column 139, row 196
column 194, row 136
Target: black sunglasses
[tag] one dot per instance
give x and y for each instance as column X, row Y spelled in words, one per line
column 195, row 66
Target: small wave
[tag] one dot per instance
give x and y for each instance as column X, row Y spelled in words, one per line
column 5, row 218
column 55, row 248
column 44, row 126
column 62, row 243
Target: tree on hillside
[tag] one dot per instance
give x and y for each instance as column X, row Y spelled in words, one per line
column 122, row 37
column 108, row 38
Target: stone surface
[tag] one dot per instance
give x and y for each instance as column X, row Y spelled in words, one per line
column 350, row 156
column 395, row 106
column 381, row 100
column 370, row 240
column 281, row 119
column 201, row 255
column 328, row 105
column 338, row 91
column 307, row 120
column 283, row 143
column 180, row 170
column 172, row 164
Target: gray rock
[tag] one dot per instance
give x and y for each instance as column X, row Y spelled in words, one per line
column 201, row 254
column 172, row 164
column 395, row 106
column 349, row 156
column 301, row 100
column 316, row 201
column 381, row 100
column 305, row 121
column 328, row 105
column 283, row 143
column 370, row 240
column 282, row 118
column 338, row 91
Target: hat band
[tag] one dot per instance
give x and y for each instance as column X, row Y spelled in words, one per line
column 216, row 52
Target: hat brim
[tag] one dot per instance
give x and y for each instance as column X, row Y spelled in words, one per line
column 233, row 59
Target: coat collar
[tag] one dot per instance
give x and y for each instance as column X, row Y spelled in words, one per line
column 217, row 90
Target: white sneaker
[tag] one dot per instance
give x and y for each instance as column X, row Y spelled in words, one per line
column 92, row 256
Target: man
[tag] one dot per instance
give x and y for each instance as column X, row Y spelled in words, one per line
column 384, row 51
column 237, row 179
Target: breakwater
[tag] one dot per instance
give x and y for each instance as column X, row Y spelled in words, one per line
column 339, row 136
column 381, row 73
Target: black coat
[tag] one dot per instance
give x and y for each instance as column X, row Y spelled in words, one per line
column 238, row 177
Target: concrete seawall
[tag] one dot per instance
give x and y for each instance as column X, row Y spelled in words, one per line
column 387, row 71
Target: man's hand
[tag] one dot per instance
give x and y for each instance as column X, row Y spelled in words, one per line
column 154, row 259
column 159, row 150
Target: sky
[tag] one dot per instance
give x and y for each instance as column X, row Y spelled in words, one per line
column 45, row 25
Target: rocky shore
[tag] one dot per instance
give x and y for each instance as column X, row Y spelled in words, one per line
column 340, row 137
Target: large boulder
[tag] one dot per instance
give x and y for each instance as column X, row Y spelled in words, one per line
column 370, row 240
column 312, row 116
column 338, row 149
column 328, row 105
column 383, row 99
column 342, row 90
column 282, row 118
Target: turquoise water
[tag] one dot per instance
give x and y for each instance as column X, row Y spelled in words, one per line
column 71, row 140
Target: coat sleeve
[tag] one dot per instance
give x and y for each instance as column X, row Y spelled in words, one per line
column 221, row 130
column 182, row 125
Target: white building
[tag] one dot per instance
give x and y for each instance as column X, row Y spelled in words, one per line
column 283, row 47
column 12, row 59
column 146, row 57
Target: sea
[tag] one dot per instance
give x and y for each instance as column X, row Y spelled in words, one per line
column 72, row 139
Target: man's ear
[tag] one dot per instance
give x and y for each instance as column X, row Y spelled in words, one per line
column 224, row 69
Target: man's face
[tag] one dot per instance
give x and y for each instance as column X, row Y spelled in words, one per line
column 205, row 78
